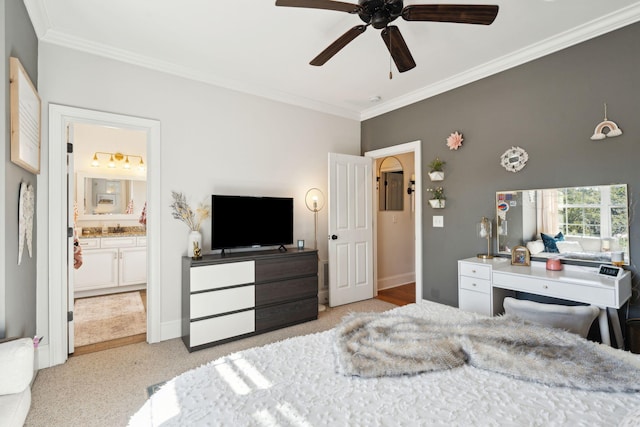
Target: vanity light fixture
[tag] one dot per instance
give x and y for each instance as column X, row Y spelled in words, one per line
column 117, row 157
column 484, row 232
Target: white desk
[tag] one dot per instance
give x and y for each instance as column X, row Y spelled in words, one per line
column 483, row 284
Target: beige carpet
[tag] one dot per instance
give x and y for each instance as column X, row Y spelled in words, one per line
column 103, row 318
column 107, row 387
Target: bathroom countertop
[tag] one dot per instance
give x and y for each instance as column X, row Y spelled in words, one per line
column 112, row 234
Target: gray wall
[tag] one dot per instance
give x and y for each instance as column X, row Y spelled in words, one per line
column 18, row 282
column 550, row 107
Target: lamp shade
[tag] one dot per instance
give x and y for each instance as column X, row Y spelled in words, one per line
column 314, row 200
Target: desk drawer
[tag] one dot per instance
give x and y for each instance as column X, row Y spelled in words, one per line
column 475, row 270
column 557, row 289
column 476, row 302
column 222, row 301
column 473, row 284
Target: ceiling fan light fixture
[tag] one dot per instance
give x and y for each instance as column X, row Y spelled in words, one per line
column 379, row 13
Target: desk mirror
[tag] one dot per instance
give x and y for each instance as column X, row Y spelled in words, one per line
column 577, row 223
column 118, row 197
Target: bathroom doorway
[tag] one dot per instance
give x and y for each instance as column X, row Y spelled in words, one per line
column 61, row 296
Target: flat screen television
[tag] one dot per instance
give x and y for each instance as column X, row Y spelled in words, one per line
column 246, row 221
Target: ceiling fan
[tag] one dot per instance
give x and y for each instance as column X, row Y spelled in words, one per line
column 379, row 13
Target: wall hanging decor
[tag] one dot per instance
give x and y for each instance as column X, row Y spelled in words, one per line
column 514, row 159
column 25, row 119
column 436, row 173
column 611, row 127
column 26, row 207
column 454, row 141
column 438, row 199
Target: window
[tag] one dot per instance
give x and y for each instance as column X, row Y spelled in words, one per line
column 593, row 211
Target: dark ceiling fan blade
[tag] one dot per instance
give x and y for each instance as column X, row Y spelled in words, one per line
column 458, row 13
column 335, row 47
column 321, row 4
column 398, row 48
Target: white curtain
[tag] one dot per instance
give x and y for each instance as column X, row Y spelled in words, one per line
column 547, row 218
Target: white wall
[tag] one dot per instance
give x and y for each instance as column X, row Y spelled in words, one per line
column 213, row 141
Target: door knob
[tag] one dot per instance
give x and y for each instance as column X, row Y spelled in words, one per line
column 334, row 237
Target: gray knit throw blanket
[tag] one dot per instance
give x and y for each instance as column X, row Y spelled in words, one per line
column 376, row 345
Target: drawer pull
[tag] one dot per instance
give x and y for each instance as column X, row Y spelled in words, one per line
column 473, row 271
column 545, row 287
column 473, row 284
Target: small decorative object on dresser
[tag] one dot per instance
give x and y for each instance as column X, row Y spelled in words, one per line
column 520, row 256
column 197, row 251
column 554, row 264
column 193, row 219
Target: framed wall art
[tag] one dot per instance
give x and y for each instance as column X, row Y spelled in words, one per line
column 25, row 118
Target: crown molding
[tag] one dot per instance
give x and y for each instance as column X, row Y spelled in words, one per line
column 618, row 19
column 595, row 28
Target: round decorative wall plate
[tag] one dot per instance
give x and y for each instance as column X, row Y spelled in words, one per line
column 514, row 159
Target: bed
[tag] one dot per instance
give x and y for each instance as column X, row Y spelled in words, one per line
column 295, row 382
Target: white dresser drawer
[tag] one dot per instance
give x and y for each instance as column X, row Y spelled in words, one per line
column 219, row 328
column 474, row 284
column 475, row 270
column 222, row 301
column 222, row 275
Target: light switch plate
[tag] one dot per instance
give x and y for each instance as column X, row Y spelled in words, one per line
column 438, row 221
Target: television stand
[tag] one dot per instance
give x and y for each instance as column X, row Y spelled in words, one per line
column 231, row 296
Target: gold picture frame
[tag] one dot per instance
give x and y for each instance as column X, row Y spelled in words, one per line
column 520, row 256
column 25, row 118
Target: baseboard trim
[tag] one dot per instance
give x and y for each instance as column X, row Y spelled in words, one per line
column 397, row 280
column 170, row 330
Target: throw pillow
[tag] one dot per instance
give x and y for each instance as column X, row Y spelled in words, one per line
column 550, row 242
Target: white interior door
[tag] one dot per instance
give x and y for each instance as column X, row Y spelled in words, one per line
column 70, row 239
column 350, row 229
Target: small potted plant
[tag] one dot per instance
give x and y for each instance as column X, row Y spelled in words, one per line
column 436, row 174
column 437, row 201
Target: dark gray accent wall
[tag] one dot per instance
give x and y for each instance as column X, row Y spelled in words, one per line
column 18, row 282
column 549, row 107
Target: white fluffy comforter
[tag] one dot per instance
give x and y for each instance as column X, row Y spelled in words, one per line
column 294, row 383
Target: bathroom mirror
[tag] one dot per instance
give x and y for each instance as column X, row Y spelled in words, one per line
column 391, row 185
column 118, row 197
column 575, row 223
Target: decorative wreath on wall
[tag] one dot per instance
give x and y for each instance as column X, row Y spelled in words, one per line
column 514, row 159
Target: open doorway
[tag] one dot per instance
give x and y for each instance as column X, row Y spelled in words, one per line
column 398, row 230
column 395, row 230
column 60, row 222
column 109, row 275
